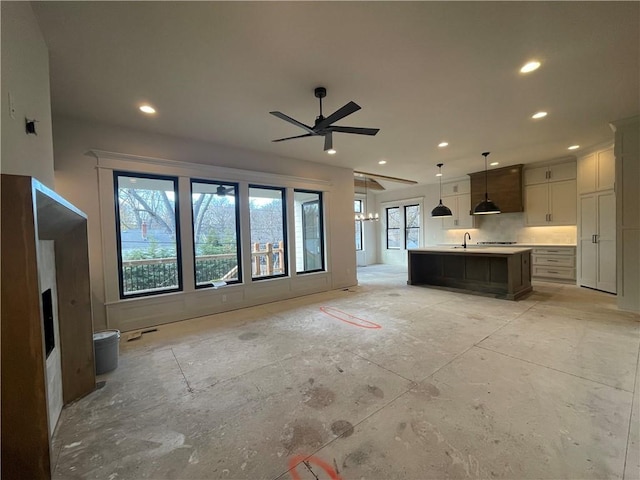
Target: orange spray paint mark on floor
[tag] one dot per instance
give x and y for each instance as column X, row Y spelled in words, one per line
column 296, row 460
column 348, row 318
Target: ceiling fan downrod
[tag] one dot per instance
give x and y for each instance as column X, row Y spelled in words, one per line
column 320, row 93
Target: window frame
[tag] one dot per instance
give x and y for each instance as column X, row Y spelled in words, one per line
column 236, row 185
column 320, row 202
column 178, row 233
column 285, row 232
column 406, row 228
column 359, row 222
column 387, row 228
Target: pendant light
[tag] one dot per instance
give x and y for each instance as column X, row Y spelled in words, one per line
column 486, row 206
column 441, row 210
column 370, row 216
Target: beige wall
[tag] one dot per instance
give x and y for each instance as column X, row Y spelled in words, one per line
column 25, row 76
column 627, row 152
column 77, row 180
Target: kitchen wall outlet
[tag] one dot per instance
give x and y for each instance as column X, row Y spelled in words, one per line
column 12, row 106
column 224, row 298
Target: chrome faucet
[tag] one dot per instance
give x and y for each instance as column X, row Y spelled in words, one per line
column 464, row 240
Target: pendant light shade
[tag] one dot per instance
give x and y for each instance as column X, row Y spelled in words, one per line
column 441, row 210
column 486, row 206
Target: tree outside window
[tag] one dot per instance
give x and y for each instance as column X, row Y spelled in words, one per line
column 309, row 231
column 215, row 217
column 148, row 234
column 412, row 226
column 394, row 227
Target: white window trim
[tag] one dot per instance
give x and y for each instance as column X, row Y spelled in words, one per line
column 131, row 313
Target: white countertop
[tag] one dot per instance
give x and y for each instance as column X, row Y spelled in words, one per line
column 547, row 245
column 511, row 245
column 473, row 249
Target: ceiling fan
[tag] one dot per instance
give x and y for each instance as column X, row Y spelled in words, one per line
column 323, row 125
column 223, row 190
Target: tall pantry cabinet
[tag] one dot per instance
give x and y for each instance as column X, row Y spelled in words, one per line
column 597, row 220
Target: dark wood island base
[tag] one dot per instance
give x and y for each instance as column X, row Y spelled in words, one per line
column 504, row 272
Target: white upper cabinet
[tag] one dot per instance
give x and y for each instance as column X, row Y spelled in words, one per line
column 460, row 207
column 456, row 196
column 535, row 176
column 596, row 171
column 550, row 194
column 550, row 173
column 456, row 188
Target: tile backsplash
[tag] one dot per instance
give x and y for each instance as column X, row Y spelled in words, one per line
column 509, row 227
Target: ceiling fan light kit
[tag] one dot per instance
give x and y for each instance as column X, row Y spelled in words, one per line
column 441, row 210
column 486, row 207
column 323, row 126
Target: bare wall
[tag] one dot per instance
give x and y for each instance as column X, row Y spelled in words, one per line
column 25, row 76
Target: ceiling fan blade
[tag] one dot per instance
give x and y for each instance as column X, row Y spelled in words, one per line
column 291, row 138
column 328, row 141
column 223, row 191
column 348, row 109
column 287, row 118
column 357, row 130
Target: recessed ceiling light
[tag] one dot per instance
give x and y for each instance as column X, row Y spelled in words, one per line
column 493, row 164
column 574, row 147
column 530, row 66
column 443, row 144
column 382, row 162
column 147, row 109
column 539, row 115
column 331, row 151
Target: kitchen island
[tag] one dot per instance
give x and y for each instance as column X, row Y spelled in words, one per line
column 502, row 271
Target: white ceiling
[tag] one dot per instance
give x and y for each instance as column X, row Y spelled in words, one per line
column 423, row 72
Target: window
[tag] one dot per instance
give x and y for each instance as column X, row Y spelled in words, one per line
column 309, row 231
column 268, row 232
column 215, row 217
column 412, row 226
column 357, row 207
column 148, row 235
column 394, row 225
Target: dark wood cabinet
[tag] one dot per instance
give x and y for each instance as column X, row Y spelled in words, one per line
column 503, row 272
column 504, row 187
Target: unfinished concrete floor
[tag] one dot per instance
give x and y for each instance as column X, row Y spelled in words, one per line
column 450, row 386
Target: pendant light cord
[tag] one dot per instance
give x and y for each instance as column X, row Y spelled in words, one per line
column 486, row 174
column 440, row 178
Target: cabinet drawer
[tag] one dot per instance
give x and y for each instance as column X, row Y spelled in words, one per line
column 554, row 251
column 554, row 260
column 564, row 273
